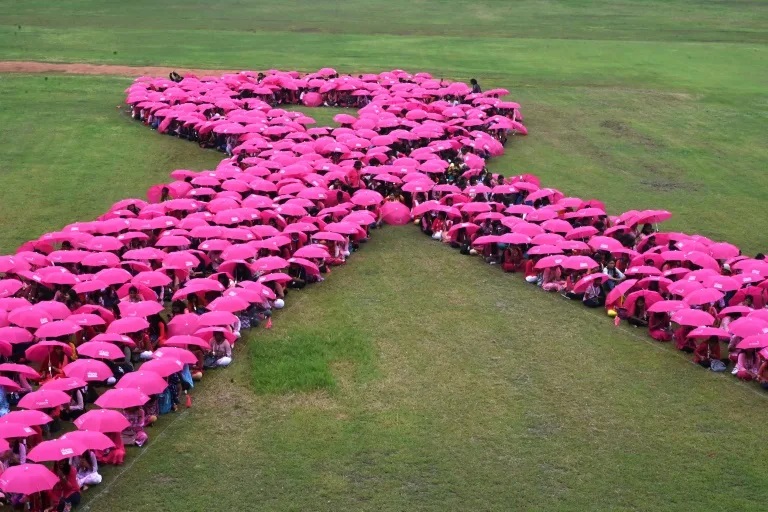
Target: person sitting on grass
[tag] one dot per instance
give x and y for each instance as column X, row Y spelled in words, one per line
column 615, row 276
column 220, row 355
column 135, row 434
column 707, row 351
column 87, row 470
column 65, row 494
column 747, row 365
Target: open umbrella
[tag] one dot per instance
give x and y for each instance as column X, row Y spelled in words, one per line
column 149, row 383
column 56, row 449
column 692, row 318
column 91, row 439
column 27, row 418
column 44, row 399
column 27, row 479
column 122, row 398
column 164, row 367
column 183, row 355
column 102, row 420
column 64, row 384
column 100, row 350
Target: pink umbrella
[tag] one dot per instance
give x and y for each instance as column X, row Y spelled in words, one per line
column 15, row 429
column 704, row 296
column 86, row 319
column 708, row 332
column 619, row 291
column 21, row 369
column 113, row 276
column 128, row 325
column 188, row 341
column 9, row 384
column 312, row 251
column 15, row 335
column 218, row 318
column 57, row 329
column 89, row 370
column 164, row 367
column 580, row 263
column 29, row 317
column 650, row 298
column 42, row 349
column 9, row 287
column 151, row 279
column 149, row 383
column 756, row 341
column 186, row 323
column 91, row 439
column 122, row 398
column 183, row 355
column 56, row 449
column 744, row 327
column 231, row 304
column 604, row 243
column 27, row 479
column 584, row 283
column 100, row 350
column 102, row 420
column 692, row 317
column 27, row 418
column 140, row 309
column 668, row 306
column 64, row 384
column 44, row 399
column 395, row 213
column 270, row 263
column 120, row 339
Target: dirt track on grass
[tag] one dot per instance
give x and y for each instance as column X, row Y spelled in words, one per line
column 99, row 69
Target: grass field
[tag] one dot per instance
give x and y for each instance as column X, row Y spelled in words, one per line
column 390, row 387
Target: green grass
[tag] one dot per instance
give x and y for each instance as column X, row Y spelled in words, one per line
column 391, row 386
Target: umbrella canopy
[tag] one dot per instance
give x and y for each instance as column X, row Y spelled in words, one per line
column 149, row 383
column 102, row 420
column 122, row 398
column 44, row 399
column 27, row 479
column 56, row 449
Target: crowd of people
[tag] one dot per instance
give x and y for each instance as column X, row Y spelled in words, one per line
column 108, row 324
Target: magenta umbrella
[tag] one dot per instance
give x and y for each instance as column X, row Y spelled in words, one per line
column 667, row 306
column 122, row 398
column 44, row 399
column 15, row 335
column 56, row 449
column 744, row 327
column 692, row 318
column 91, row 439
column 141, row 309
column 87, row 319
column 64, row 384
column 128, row 325
column 585, row 282
column 580, row 263
column 756, row 341
column 27, row 418
column 27, row 479
column 704, row 296
column 21, row 369
column 89, row 370
column 15, row 429
column 228, row 303
column 312, row 251
column 29, row 317
column 151, row 279
column 218, row 318
column 188, row 341
column 149, row 383
column 183, row 355
column 186, row 323
column 9, row 287
column 100, row 350
column 620, row 290
column 708, row 332
column 395, row 213
column 102, row 420
column 164, row 367
column 57, row 329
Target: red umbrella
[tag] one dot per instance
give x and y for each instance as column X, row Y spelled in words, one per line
column 164, row 367
column 91, row 439
column 692, row 318
column 56, row 449
column 27, row 479
column 44, row 399
column 89, row 370
column 149, row 383
column 122, row 398
column 102, row 420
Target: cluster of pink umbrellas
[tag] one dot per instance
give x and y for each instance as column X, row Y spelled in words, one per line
column 273, row 194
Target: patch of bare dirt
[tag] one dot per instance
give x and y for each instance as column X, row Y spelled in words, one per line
column 100, row 69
